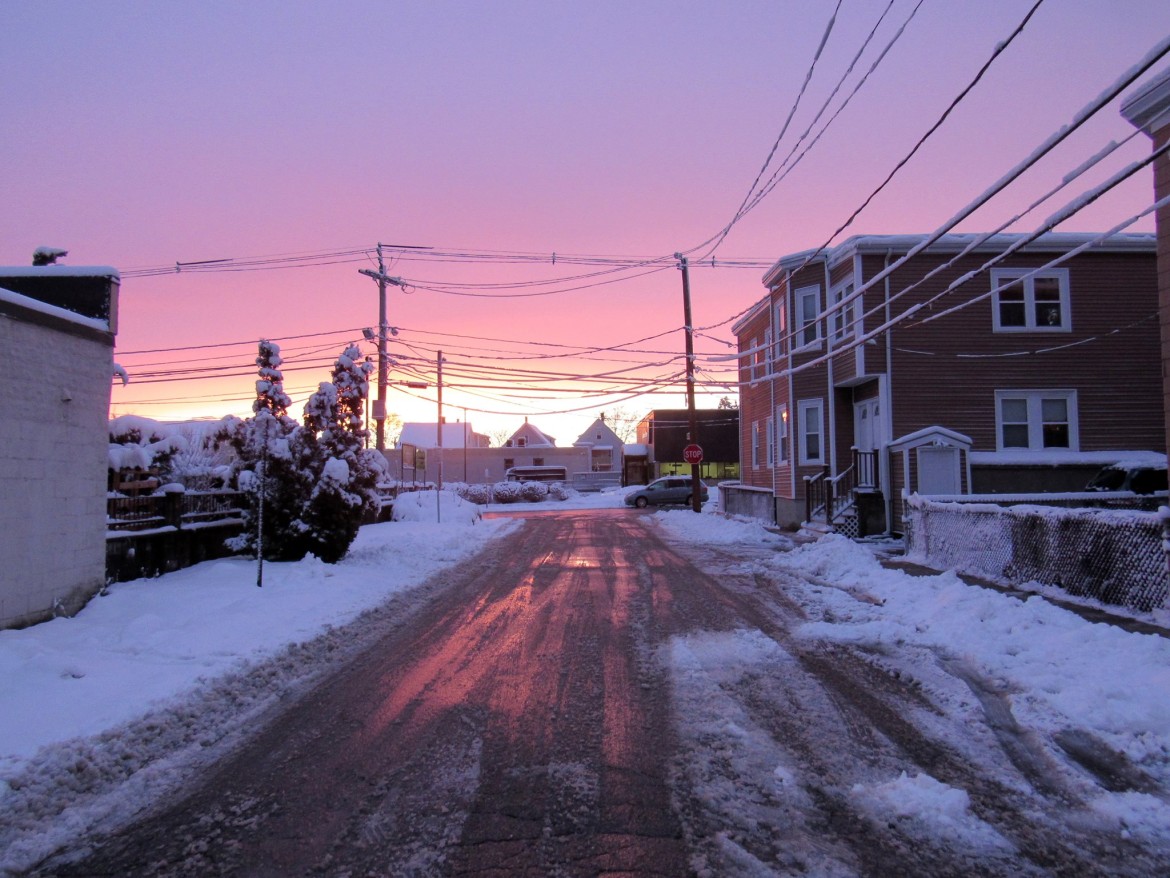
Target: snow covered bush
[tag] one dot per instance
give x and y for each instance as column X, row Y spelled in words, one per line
column 506, row 492
column 560, row 491
column 478, row 494
column 533, row 492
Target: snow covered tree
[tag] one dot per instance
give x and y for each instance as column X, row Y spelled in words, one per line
column 345, row 471
column 272, row 467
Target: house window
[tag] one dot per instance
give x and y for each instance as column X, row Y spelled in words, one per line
column 812, row 428
column 1036, row 420
column 509, row 462
column 771, row 442
column 757, row 360
column 782, row 433
column 521, row 442
column 767, row 352
column 538, row 461
column 1030, row 304
column 755, row 444
column 781, row 323
column 845, row 318
column 808, row 304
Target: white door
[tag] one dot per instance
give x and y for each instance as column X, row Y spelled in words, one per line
column 868, row 435
column 938, row 470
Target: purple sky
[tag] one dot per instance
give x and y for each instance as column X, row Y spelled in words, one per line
column 139, row 135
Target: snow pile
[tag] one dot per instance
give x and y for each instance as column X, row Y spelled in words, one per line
column 712, row 527
column 431, row 506
column 944, row 810
column 1070, row 673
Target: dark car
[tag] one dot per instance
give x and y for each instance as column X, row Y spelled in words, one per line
column 665, row 491
column 1138, row 479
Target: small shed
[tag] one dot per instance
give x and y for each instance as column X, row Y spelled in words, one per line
column 932, row 461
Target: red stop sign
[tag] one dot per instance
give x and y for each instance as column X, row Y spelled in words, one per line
column 693, row 454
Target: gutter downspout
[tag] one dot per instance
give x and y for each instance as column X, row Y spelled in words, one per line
column 830, row 449
column 888, row 405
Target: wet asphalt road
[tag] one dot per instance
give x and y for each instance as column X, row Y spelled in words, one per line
column 517, row 727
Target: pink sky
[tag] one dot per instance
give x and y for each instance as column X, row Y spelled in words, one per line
column 140, row 135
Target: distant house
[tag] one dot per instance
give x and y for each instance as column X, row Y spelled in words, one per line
column 457, row 435
column 528, row 436
column 666, row 432
column 57, row 328
column 475, row 462
column 605, row 447
column 863, row 376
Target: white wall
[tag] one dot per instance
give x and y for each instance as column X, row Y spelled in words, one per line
column 52, row 469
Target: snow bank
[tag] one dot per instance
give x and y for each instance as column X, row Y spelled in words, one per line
column 430, row 506
column 152, row 640
column 1072, row 673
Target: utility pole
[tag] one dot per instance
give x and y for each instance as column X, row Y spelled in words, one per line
column 693, row 418
column 439, row 430
column 383, row 329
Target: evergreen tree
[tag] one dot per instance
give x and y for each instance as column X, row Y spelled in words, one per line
column 345, row 472
column 272, row 458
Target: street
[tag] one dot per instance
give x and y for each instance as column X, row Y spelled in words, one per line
column 585, row 698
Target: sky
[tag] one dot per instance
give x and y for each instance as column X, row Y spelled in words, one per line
column 292, row 138
column 106, row 710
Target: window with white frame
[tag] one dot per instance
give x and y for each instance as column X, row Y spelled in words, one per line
column 766, row 353
column 770, row 439
column 808, row 310
column 845, row 318
column 1035, row 420
column 811, row 425
column 756, row 359
column 781, row 324
column 782, row 454
column 755, row 443
column 1039, row 303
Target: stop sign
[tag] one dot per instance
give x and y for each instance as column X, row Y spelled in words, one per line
column 693, row 454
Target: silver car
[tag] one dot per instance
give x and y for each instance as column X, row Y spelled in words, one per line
column 665, row 491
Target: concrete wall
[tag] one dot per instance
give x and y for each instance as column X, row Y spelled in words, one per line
column 743, row 500
column 53, row 450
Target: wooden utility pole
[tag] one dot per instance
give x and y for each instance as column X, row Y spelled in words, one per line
column 693, row 418
column 383, row 330
column 439, row 442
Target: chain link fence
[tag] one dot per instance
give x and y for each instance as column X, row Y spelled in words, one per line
column 1112, row 556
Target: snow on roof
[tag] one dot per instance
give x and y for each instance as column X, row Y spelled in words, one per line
column 1052, row 242
column 1149, row 107
column 59, row 271
column 51, row 310
column 1057, row 457
column 425, row 435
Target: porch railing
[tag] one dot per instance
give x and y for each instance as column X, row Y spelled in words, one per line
column 827, row 497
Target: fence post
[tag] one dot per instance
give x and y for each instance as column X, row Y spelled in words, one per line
column 1164, row 516
column 173, row 505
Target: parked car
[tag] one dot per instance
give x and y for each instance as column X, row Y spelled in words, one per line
column 665, row 491
column 1138, row 478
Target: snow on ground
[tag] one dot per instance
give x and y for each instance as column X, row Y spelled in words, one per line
column 1059, row 671
column 100, row 702
column 150, row 667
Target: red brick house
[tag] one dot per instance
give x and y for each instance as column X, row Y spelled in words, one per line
column 864, row 374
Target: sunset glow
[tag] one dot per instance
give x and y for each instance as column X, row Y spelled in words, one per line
column 239, row 163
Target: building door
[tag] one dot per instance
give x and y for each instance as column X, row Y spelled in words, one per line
column 938, row 470
column 868, row 437
column 868, row 431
